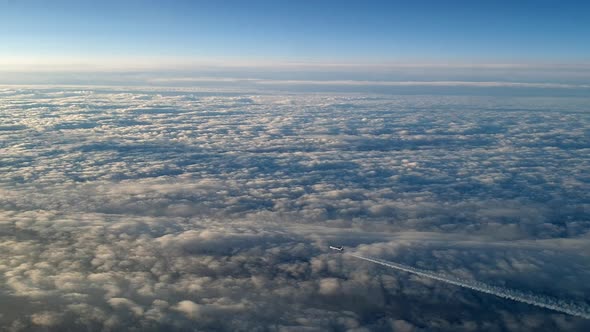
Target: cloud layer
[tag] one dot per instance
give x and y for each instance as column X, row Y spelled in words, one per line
column 178, row 209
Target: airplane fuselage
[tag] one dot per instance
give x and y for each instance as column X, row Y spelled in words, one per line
column 337, row 248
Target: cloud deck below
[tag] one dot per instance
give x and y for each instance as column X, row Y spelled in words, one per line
column 172, row 209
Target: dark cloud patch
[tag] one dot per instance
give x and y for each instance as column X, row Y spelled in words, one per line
column 144, row 209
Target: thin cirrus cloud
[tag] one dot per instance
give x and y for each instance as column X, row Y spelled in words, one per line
column 24, row 62
column 488, row 84
column 259, row 73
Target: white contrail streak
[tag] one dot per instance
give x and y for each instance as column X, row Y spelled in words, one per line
column 515, row 295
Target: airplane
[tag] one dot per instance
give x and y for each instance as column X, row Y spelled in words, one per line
column 340, row 248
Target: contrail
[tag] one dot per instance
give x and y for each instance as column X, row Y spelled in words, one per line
column 515, row 295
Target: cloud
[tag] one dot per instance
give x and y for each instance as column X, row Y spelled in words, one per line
column 155, row 63
column 46, row 318
column 480, row 84
column 179, row 209
column 439, row 76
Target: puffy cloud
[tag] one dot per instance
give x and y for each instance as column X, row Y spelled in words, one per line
column 118, row 302
column 329, row 286
column 45, row 318
column 176, row 209
column 189, row 308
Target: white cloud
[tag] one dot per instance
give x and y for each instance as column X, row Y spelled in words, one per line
column 182, row 209
column 481, row 84
column 46, row 318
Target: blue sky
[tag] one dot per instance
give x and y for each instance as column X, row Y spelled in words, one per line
column 497, row 31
